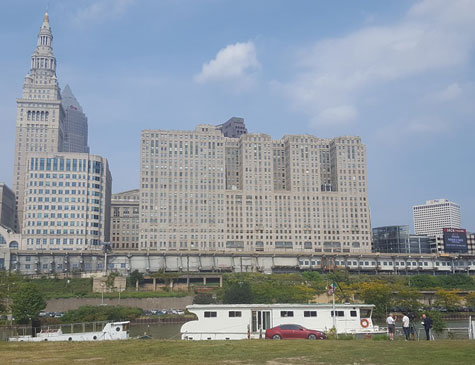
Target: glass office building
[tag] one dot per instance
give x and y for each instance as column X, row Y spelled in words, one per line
column 396, row 239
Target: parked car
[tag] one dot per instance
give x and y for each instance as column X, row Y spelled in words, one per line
column 180, row 312
column 293, row 331
column 43, row 314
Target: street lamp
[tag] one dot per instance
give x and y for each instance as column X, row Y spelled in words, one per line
column 102, row 287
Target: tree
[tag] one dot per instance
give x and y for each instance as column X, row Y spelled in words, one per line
column 377, row 293
column 28, row 302
column 134, row 277
column 204, row 298
column 447, row 298
column 110, row 280
column 438, row 324
column 470, row 300
column 238, row 293
column 8, row 284
column 408, row 299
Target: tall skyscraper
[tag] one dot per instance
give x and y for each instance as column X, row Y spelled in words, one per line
column 75, row 123
column 39, row 121
column 203, row 191
column 435, row 215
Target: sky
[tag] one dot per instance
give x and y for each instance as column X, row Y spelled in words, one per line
column 398, row 73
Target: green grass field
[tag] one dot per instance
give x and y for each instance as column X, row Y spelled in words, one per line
column 241, row 352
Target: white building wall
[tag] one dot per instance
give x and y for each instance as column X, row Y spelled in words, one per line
column 67, row 202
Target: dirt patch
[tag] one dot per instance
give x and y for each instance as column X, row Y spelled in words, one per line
column 293, row 360
column 90, row 359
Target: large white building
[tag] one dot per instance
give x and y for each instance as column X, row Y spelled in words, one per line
column 432, row 217
column 39, row 120
column 67, row 202
column 203, row 191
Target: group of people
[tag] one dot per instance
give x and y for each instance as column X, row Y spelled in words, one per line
column 407, row 328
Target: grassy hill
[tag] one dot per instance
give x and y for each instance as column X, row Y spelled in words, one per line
column 241, row 352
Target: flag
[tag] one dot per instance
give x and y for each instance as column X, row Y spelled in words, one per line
column 332, row 288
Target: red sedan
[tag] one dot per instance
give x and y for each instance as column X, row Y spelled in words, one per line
column 293, row 331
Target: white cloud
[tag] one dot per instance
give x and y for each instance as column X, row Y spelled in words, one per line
column 237, row 62
column 341, row 114
column 100, row 10
column 434, row 36
column 450, row 93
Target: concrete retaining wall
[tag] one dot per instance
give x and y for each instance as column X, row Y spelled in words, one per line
column 63, row 305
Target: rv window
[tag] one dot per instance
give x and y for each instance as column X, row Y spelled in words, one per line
column 353, row 313
column 234, row 314
column 210, row 314
column 339, row 313
column 365, row 313
column 310, row 313
column 286, row 313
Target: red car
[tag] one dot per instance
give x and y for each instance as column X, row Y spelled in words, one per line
column 293, row 331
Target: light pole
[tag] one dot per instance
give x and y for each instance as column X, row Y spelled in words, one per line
column 102, row 287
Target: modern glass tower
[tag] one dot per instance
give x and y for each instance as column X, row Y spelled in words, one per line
column 75, row 123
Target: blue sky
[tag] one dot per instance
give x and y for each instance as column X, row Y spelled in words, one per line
column 398, row 73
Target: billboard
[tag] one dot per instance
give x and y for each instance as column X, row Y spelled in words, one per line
column 455, row 240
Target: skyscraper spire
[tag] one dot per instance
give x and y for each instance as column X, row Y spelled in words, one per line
column 43, row 57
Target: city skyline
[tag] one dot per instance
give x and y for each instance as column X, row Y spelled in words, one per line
column 235, row 74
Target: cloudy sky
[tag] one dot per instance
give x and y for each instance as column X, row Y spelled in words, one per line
column 398, row 73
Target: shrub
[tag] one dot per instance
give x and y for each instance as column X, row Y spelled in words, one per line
column 204, row 298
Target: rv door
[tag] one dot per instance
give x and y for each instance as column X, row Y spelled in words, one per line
column 260, row 321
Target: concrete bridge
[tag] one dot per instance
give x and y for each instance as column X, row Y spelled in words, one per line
column 83, row 262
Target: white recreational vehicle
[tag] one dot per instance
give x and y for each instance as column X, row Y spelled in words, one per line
column 242, row 321
column 111, row 331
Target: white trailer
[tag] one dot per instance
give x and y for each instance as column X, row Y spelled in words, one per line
column 242, row 321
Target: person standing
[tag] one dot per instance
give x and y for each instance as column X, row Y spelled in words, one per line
column 391, row 326
column 427, row 323
column 405, row 326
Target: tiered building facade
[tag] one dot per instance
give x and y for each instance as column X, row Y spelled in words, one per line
column 125, row 220
column 203, row 191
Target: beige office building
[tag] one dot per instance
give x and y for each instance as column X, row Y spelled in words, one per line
column 125, row 220
column 39, row 120
column 203, row 191
column 67, row 202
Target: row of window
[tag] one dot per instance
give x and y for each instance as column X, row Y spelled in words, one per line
column 232, row 314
